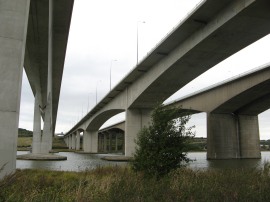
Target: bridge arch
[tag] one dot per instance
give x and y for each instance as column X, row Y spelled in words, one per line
column 90, row 143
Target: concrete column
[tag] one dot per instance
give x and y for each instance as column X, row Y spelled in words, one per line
column 249, row 136
column 94, row 141
column 135, row 120
column 78, row 142
column 13, row 21
column 46, row 138
column 105, row 142
column 36, row 144
column 70, row 141
column 91, row 141
column 222, row 136
column 66, row 140
column 73, row 140
column 116, row 142
column 48, row 130
column 86, row 141
column 110, row 141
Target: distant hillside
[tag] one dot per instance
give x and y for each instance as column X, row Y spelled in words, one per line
column 25, row 133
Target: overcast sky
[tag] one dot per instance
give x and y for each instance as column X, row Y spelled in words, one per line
column 103, row 31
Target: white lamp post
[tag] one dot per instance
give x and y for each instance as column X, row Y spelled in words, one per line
column 138, row 39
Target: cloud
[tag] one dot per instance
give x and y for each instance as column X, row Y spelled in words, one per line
column 104, row 30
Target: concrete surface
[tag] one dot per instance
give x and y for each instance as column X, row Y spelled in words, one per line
column 211, row 33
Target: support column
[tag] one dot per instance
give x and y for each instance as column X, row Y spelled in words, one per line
column 13, row 20
column 66, row 141
column 70, row 141
column 36, row 144
column 116, row 142
column 46, row 137
column 91, row 141
column 78, row 142
column 222, row 136
column 105, row 142
column 94, row 141
column 135, row 120
column 73, row 140
column 86, row 141
column 249, row 136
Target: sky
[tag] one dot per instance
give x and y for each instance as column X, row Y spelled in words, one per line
column 103, row 37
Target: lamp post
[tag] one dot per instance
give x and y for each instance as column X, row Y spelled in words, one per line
column 111, row 74
column 138, row 38
column 96, row 90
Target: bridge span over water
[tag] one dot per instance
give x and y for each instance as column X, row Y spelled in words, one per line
column 33, row 35
column 232, row 108
column 212, row 32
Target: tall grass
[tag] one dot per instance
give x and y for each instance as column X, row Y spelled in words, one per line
column 122, row 184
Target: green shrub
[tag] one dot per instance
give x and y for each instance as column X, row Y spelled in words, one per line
column 162, row 146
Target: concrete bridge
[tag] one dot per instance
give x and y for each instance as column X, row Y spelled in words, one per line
column 211, row 33
column 232, row 108
column 232, row 111
column 33, row 35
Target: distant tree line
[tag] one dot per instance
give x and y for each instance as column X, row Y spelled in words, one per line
column 25, row 133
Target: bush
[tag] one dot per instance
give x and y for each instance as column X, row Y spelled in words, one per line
column 162, row 146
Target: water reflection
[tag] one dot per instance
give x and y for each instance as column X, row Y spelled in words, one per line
column 74, row 162
column 200, row 162
column 80, row 162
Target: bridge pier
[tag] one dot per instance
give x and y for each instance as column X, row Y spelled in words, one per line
column 13, row 20
column 232, row 136
column 90, row 141
column 249, row 136
column 36, row 146
column 70, row 141
column 78, row 143
column 136, row 119
column 73, row 140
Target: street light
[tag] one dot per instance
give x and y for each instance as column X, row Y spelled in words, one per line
column 96, row 90
column 111, row 74
column 138, row 38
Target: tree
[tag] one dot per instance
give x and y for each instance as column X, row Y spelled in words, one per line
column 162, row 146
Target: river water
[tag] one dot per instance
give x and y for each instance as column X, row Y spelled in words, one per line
column 81, row 162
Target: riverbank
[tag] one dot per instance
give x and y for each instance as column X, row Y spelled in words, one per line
column 122, row 184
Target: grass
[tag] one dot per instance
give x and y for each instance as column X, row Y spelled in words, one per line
column 25, row 142
column 122, row 184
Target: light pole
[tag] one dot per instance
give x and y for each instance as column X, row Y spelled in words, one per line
column 138, row 38
column 96, row 90
column 111, row 74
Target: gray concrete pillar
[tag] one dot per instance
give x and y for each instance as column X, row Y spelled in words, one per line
column 13, row 29
column 94, row 141
column 249, row 136
column 48, row 130
column 47, row 135
column 135, row 120
column 70, row 141
column 91, row 141
column 73, row 141
column 36, row 144
column 105, row 142
column 66, row 140
column 116, row 142
column 86, row 141
column 222, row 136
column 78, row 142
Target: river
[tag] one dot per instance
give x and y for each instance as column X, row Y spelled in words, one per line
column 81, row 162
